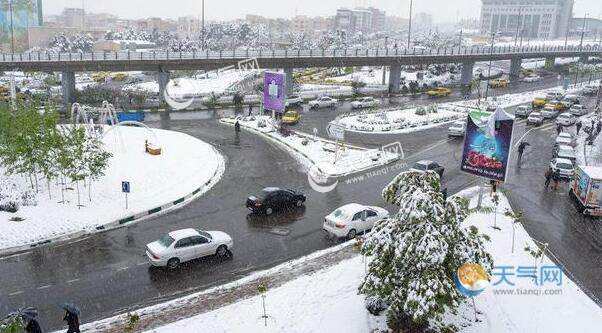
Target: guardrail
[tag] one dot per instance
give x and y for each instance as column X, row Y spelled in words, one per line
column 44, row 56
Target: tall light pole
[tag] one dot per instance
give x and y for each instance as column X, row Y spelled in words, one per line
column 582, row 31
column 203, row 24
column 12, row 28
column 490, row 64
column 410, row 24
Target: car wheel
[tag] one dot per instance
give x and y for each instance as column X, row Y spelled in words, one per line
column 173, row 263
column 351, row 234
column 222, row 251
column 299, row 203
column 269, row 211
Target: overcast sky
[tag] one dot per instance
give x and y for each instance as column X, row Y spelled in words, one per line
column 442, row 10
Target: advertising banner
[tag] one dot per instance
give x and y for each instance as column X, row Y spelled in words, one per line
column 274, row 91
column 487, row 144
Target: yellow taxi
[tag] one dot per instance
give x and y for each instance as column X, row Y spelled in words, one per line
column 439, row 92
column 557, row 105
column 291, row 117
column 539, row 102
column 498, row 83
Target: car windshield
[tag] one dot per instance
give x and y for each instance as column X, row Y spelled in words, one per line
column 204, row 234
column 340, row 214
column 566, row 152
column 565, row 166
column 421, row 166
column 166, row 241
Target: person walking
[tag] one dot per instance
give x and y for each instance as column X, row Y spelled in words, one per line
column 250, row 110
column 599, row 127
column 521, row 150
column 71, row 317
column 548, row 176
column 578, row 125
column 33, row 326
column 556, row 179
column 237, row 127
column 558, row 129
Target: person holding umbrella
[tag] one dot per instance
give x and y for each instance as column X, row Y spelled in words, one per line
column 71, row 317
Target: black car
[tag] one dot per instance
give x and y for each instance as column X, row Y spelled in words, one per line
column 429, row 166
column 274, row 198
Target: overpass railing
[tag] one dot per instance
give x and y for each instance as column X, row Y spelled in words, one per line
column 44, row 56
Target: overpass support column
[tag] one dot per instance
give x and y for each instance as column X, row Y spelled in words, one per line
column 515, row 66
column 467, row 72
column 68, row 89
column 394, row 79
column 550, row 62
column 583, row 59
column 288, row 73
column 163, row 79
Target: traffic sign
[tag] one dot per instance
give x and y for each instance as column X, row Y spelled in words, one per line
column 336, row 131
column 125, row 187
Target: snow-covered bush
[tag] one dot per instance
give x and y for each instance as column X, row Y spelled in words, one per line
column 10, row 196
column 417, row 251
column 420, row 111
column 375, row 305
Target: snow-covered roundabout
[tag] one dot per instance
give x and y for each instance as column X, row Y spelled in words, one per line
column 185, row 169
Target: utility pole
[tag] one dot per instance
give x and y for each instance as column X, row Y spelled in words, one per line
column 582, row 31
column 203, row 24
column 410, row 24
column 12, row 28
column 518, row 25
column 490, row 64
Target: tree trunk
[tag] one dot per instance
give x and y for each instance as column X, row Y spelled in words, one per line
column 90, row 190
column 35, row 176
column 78, row 196
column 48, row 184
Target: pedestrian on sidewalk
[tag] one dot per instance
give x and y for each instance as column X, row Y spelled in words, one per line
column 548, row 176
column 33, row 326
column 71, row 317
column 521, row 150
column 579, row 124
column 237, row 127
column 250, row 110
column 556, row 178
column 558, row 129
column 599, row 127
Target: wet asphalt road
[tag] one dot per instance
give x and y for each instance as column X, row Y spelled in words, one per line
column 107, row 273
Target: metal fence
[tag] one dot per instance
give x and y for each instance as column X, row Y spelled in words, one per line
column 44, row 56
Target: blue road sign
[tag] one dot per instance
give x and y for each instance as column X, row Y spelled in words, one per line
column 125, row 187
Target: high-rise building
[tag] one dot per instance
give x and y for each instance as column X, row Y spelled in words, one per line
column 527, row 18
column 74, row 17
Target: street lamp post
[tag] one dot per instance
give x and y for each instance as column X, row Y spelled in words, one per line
column 410, row 24
column 203, row 24
column 490, row 64
column 582, row 31
column 12, row 29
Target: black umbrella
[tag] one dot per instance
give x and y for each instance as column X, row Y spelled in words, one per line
column 26, row 314
column 71, row 308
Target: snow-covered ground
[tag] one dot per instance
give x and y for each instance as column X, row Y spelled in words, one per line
column 215, row 82
column 312, row 151
column 185, row 165
column 394, row 121
column 327, row 301
column 541, row 63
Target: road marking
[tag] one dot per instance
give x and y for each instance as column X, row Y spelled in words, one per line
column 15, row 293
column 71, row 281
column 433, row 146
column 45, row 287
column 122, row 269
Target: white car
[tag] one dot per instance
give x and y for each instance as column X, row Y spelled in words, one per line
column 349, row 220
column 365, row 102
column 535, row 118
column 578, row 110
column 566, row 119
column 187, row 244
column 549, row 112
column 567, row 152
column 293, row 100
column 532, row 78
column 564, row 167
column 458, row 128
column 523, row 111
column 323, row 102
column 566, row 138
column 590, row 90
column 555, row 95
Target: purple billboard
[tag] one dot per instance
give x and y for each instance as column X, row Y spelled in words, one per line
column 273, row 91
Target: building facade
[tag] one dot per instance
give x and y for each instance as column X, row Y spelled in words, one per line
column 365, row 20
column 544, row 19
column 16, row 17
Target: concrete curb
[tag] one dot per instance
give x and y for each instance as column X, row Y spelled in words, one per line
column 123, row 222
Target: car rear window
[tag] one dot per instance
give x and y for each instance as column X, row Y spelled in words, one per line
column 166, row 241
column 564, row 166
column 204, row 234
column 340, row 213
column 421, row 166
